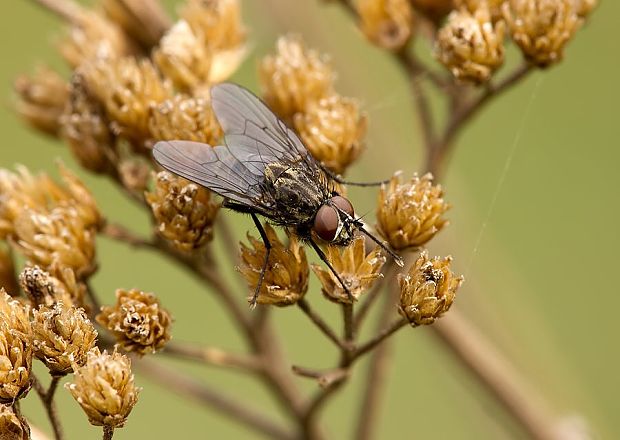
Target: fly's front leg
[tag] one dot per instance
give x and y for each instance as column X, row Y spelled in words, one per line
column 323, row 257
column 267, row 243
column 339, row 179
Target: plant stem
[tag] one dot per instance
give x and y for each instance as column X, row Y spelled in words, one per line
column 47, row 398
column 371, row 296
column 108, row 433
column 381, row 336
column 319, row 322
column 120, row 233
column 213, row 356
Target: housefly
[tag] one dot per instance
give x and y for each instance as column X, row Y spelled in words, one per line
column 264, row 169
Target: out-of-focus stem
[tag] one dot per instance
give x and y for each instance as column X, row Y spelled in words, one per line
column 66, row 9
column 319, row 322
column 108, row 433
column 212, row 356
column 47, row 398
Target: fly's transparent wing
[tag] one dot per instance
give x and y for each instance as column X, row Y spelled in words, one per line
column 212, row 167
column 253, row 133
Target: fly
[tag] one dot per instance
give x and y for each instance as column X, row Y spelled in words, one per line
column 264, row 169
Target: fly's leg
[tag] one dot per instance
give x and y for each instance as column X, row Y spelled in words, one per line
column 267, row 243
column 323, row 257
column 339, row 179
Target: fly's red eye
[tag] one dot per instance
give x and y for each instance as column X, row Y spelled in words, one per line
column 326, row 222
column 343, row 204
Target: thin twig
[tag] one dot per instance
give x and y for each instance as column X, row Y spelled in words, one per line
column 66, row 9
column 120, row 233
column 212, row 356
column 324, row 378
column 320, row 323
column 108, row 432
column 47, row 398
column 380, row 337
column 371, row 296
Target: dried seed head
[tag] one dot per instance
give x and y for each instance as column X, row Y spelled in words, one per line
column 427, row 291
column 47, row 288
column 185, row 118
column 12, row 426
column 410, row 214
column 294, row 77
column 183, row 57
column 127, row 88
column 585, row 7
column 86, row 129
column 386, row 23
column 15, row 349
column 63, row 335
column 434, row 9
column 135, row 174
column 93, row 37
column 470, row 45
column 494, row 7
column 145, row 21
column 184, row 211
column 42, row 99
column 104, row 387
column 286, row 278
column 358, row 270
column 541, row 28
column 138, row 321
column 8, row 281
column 333, row 129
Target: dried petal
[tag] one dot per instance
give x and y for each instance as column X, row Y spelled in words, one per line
column 12, row 426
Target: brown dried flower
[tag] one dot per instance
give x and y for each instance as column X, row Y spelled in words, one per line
column 541, row 28
column 585, row 7
column 8, row 281
column 15, row 349
column 42, row 99
column 333, row 129
column 184, row 211
column 410, row 214
column 135, row 174
column 185, row 118
column 470, row 45
column 386, row 23
column 494, row 7
column 294, row 77
column 357, row 269
column 63, row 335
column 12, row 425
column 286, row 277
column 104, row 387
column 434, row 9
column 427, row 291
column 145, row 21
column 138, row 321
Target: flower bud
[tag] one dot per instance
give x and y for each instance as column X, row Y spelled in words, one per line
column 12, row 426
column 138, row 321
column 386, row 23
column 410, row 214
column 286, row 277
column 427, row 291
column 104, row 387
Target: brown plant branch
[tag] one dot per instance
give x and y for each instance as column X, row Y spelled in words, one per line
column 212, row 356
column 320, row 323
column 371, row 297
column 382, row 335
column 119, row 232
column 68, row 10
column 108, row 432
column 47, row 398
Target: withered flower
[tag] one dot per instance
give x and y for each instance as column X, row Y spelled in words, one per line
column 104, row 387
column 333, row 129
column 434, row 9
column 386, row 23
column 12, row 425
column 294, row 77
column 145, row 21
column 286, row 277
column 186, row 118
column 184, row 211
column 15, row 349
column 63, row 335
column 541, row 28
column 42, row 99
column 470, row 45
column 138, row 321
column 358, row 270
column 135, row 174
column 427, row 291
column 585, row 7
column 494, row 7
column 410, row 214
column 8, row 281
column 59, row 283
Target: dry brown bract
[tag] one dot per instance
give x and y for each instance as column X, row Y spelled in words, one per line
column 494, row 7
column 12, row 426
column 138, row 321
column 428, row 290
column 286, row 278
column 410, row 214
column 357, row 269
column 386, row 23
column 104, row 387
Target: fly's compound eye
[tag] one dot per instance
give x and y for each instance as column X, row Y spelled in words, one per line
column 326, row 222
column 343, row 204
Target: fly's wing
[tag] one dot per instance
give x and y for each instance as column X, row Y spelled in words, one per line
column 253, row 133
column 212, row 167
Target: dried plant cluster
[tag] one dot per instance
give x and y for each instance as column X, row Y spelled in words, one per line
column 136, row 78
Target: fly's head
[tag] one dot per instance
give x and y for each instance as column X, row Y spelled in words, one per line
column 334, row 221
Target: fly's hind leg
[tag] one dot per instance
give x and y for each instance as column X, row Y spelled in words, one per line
column 323, row 257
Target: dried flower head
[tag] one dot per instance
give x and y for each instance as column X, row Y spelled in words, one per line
column 86, row 129
column 494, row 7
column 386, row 23
column 104, row 387
column 42, row 99
column 8, row 281
column 427, row 291
column 145, row 21
column 286, row 277
column 184, row 211
column 15, row 349
column 434, row 9
column 294, row 77
column 470, row 45
column 12, row 425
column 135, row 174
column 541, row 28
column 585, row 7
column 185, row 118
column 46, row 288
column 127, row 88
column 410, row 214
column 333, row 129
column 357, row 269
column 63, row 335
column 138, row 321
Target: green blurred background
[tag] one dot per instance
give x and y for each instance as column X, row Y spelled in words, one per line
column 534, row 188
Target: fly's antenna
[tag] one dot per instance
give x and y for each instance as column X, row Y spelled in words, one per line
column 382, row 244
